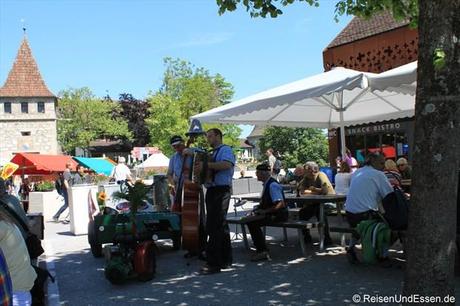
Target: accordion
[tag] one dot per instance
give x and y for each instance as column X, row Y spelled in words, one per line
column 200, row 173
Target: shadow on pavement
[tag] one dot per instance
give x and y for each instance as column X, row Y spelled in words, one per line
column 288, row 279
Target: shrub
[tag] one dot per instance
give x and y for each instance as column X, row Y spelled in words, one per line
column 45, row 186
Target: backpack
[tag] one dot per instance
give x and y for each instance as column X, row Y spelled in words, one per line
column 396, row 209
column 58, row 186
column 375, row 238
column 277, row 166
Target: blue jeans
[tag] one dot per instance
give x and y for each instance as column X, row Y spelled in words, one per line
column 63, row 207
column 22, row 298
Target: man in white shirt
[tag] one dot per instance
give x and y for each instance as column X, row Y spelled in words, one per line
column 121, row 172
column 369, row 186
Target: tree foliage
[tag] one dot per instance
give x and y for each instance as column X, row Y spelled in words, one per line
column 296, row 145
column 83, row 118
column 135, row 112
column 362, row 8
column 186, row 91
column 434, row 204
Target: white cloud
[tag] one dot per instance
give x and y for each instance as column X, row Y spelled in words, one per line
column 203, row 39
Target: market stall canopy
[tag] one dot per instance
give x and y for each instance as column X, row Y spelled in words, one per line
column 327, row 100
column 99, row 165
column 41, row 164
column 157, row 160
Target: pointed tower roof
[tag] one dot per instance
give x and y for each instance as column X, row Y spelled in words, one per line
column 24, row 79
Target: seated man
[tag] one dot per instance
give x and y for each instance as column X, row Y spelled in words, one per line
column 272, row 207
column 292, row 177
column 404, row 168
column 369, row 186
column 299, row 173
column 314, row 182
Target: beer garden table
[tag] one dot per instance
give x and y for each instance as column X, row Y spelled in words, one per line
column 308, row 199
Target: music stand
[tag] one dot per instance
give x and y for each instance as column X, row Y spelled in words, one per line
column 238, row 203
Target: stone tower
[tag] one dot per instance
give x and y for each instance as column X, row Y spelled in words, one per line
column 27, row 109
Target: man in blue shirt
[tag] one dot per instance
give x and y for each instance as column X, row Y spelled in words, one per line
column 272, row 208
column 218, row 192
column 175, row 179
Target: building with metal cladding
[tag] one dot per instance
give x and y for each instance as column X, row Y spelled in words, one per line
column 27, row 109
column 374, row 45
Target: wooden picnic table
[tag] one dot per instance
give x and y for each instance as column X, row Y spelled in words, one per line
column 307, row 199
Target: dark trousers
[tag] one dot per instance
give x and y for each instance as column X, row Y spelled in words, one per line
column 218, row 248
column 310, row 210
column 255, row 229
column 63, row 207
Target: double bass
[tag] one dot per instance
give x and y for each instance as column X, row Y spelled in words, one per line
column 194, row 174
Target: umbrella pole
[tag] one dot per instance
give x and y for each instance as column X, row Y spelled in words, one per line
column 342, row 136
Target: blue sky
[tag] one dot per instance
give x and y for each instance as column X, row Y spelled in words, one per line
column 118, row 46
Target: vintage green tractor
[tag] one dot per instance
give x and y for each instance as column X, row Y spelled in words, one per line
column 130, row 237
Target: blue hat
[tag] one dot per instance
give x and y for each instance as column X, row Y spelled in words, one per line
column 195, row 128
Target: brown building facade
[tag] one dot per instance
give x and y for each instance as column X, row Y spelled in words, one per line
column 374, row 45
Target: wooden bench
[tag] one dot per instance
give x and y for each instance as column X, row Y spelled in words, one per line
column 300, row 225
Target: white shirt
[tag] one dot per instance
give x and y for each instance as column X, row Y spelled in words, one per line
column 121, row 172
column 342, row 183
column 271, row 161
column 367, row 189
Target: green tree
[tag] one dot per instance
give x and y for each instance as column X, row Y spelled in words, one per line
column 83, row 118
column 431, row 240
column 186, row 91
column 296, row 145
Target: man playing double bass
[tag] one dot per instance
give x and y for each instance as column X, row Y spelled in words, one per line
column 175, row 179
column 218, row 248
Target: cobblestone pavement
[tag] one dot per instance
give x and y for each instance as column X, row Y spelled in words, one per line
column 289, row 279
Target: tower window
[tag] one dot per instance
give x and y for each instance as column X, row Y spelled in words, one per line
column 27, row 133
column 7, row 107
column 24, row 107
column 41, row 107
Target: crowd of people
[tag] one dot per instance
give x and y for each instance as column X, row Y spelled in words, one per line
column 366, row 188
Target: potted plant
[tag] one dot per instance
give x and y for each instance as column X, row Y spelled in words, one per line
column 101, row 179
column 136, row 195
column 44, row 186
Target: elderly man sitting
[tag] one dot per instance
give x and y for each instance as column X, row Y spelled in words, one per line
column 369, row 186
column 314, row 182
column 404, row 168
column 272, row 208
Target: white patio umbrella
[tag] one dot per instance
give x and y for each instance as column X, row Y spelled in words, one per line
column 331, row 99
column 401, row 79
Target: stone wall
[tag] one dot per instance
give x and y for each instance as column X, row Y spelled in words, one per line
column 31, row 132
column 16, row 114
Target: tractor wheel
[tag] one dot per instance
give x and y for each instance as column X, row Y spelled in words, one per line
column 96, row 247
column 144, row 261
column 177, row 240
